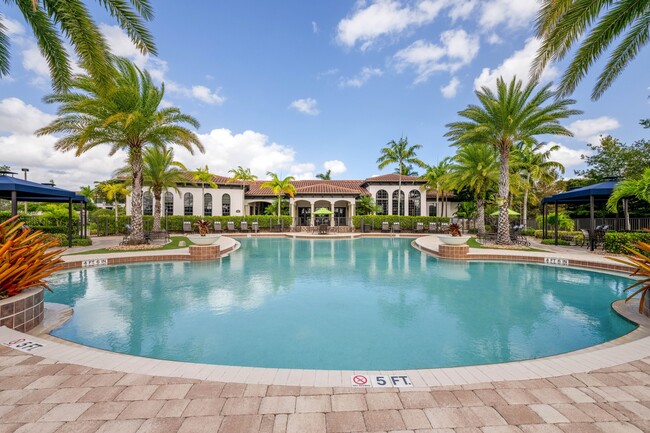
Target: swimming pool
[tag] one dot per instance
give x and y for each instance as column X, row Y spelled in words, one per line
column 363, row 304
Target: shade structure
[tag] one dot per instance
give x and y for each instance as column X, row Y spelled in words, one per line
column 323, row 211
column 598, row 192
column 16, row 189
column 510, row 213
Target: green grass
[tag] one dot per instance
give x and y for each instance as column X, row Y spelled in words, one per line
column 173, row 245
column 473, row 243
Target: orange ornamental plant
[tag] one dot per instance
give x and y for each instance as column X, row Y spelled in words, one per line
column 24, row 257
column 640, row 261
column 203, row 225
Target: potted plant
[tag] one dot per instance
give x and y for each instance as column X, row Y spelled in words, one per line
column 455, row 237
column 204, row 238
column 640, row 261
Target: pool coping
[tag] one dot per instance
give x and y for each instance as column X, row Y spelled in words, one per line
column 630, row 347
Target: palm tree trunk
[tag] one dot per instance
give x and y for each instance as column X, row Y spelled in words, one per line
column 524, row 211
column 503, row 233
column 137, row 233
column 480, row 216
column 280, row 208
column 115, row 209
column 157, row 210
column 437, row 195
column 399, row 194
column 202, row 199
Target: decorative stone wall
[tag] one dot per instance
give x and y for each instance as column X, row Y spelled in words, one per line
column 22, row 312
column 453, row 251
column 206, row 252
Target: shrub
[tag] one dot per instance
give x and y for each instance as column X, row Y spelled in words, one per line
column 640, row 261
column 552, row 242
column 24, row 258
column 564, row 221
column 62, row 240
column 528, row 232
column 560, row 233
column 619, row 242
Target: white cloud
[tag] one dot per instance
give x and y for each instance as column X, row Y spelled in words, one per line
column 336, row 166
column 457, row 49
column 314, row 26
column 512, row 14
column 12, row 27
column 302, row 171
column 361, row 78
column 569, row 158
column 450, row 90
column 462, row 9
column 305, row 105
column 518, row 64
column 204, row 94
column 34, row 61
column 17, row 117
column 494, row 39
column 368, row 22
column 589, row 130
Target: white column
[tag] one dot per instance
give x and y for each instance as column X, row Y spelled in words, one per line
column 332, row 216
column 311, row 216
column 390, row 202
column 292, row 211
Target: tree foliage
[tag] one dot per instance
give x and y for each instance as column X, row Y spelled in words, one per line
column 613, row 159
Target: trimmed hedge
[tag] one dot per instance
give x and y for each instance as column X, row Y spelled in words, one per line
column 560, row 233
column 53, row 229
column 615, row 242
column 552, row 242
column 76, row 240
column 406, row 222
column 175, row 223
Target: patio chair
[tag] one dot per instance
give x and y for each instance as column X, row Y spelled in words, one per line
column 217, row 227
column 433, row 228
column 396, row 227
column 322, row 229
column 255, row 227
column 243, row 226
column 419, row 227
column 230, row 226
column 385, row 227
column 187, row 227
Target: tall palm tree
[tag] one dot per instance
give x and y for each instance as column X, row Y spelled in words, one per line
column 562, row 24
column 365, row 205
column 160, row 172
column 533, row 164
column 406, row 170
column 280, row 187
column 114, row 191
column 50, row 20
column 434, row 177
column 126, row 115
column 203, row 175
column 402, row 154
column 476, row 167
column 516, row 113
column 241, row 174
column 325, row 176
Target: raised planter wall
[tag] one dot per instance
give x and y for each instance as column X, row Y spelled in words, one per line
column 22, row 312
column 453, row 251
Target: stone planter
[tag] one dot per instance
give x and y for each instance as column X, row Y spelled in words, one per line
column 453, row 240
column 22, row 312
column 208, row 239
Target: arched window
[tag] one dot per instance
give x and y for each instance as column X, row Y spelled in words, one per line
column 382, row 200
column 207, row 205
column 401, row 202
column 414, row 203
column 169, row 203
column 147, row 203
column 225, row 205
column 188, row 204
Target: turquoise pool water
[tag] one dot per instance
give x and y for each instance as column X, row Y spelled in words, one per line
column 365, row 304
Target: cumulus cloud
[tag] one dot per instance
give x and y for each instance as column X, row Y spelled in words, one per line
column 368, row 22
column 450, row 90
column 361, row 78
column 589, row 130
column 17, row 117
column 457, row 49
column 513, row 14
column 302, row 171
column 568, row 157
column 305, row 105
column 206, row 95
column 518, row 64
column 336, row 166
column 462, row 9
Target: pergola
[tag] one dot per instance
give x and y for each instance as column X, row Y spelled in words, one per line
column 591, row 194
column 16, row 189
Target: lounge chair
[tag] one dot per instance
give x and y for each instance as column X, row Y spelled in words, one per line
column 255, row 227
column 385, row 227
column 217, row 227
column 230, row 226
column 322, row 229
column 243, row 226
column 419, row 227
column 396, row 227
column 187, row 227
column 433, row 227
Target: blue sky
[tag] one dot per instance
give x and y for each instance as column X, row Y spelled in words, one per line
column 297, row 87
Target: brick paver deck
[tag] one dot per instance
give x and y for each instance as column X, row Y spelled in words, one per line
column 41, row 395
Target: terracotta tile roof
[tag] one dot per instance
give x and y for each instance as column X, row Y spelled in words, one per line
column 393, row 178
column 317, row 186
column 327, row 188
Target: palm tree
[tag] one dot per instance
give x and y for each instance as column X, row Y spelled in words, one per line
column 637, row 188
column 280, row 187
column 365, row 205
column 160, row 172
column 87, row 192
column 241, row 174
column 402, row 154
column 51, row 19
column 203, row 175
column 514, row 114
column 532, row 162
column 562, row 24
column 434, row 176
column 325, row 176
column 476, row 167
column 407, row 170
column 114, row 191
column 125, row 115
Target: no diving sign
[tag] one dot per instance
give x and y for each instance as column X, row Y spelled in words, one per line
column 380, row 381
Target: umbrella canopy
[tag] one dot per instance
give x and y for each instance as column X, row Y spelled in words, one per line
column 510, row 213
column 323, row 211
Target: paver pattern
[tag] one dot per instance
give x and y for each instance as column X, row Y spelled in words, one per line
column 41, row 395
